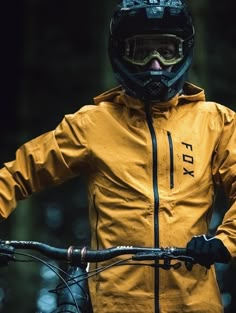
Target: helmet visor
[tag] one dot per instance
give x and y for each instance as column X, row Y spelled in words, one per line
column 141, row 49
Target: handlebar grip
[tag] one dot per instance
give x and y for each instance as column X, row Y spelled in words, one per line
column 6, row 249
column 6, row 254
column 179, row 251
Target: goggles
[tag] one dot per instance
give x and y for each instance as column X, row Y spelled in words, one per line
column 141, row 49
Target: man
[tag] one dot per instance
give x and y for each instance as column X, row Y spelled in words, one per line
column 152, row 151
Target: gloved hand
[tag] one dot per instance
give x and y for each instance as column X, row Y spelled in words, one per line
column 207, row 250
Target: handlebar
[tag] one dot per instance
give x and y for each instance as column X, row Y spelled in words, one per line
column 78, row 256
column 72, row 295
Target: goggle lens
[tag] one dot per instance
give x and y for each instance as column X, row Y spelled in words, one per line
column 141, row 49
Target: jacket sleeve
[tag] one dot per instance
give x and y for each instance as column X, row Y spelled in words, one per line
column 48, row 160
column 224, row 173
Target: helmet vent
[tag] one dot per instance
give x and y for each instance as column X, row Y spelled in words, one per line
column 154, row 89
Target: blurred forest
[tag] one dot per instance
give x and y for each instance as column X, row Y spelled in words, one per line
column 53, row 61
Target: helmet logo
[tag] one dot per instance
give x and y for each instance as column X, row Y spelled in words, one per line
column 155, row 12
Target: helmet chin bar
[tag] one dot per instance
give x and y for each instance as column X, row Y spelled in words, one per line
column 153, row 86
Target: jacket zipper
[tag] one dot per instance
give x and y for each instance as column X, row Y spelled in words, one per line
column 97, row 215
column 156, row 200
column 171, row 160
column 97, row 242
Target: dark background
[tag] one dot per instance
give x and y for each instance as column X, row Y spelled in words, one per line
column 53, row 61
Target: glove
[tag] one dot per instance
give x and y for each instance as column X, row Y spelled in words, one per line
column 207, row 250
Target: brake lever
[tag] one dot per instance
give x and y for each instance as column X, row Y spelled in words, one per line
column 167, row 257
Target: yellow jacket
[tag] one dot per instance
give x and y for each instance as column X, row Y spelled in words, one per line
column 149, row 184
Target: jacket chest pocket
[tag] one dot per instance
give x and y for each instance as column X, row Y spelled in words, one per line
column 176, row 161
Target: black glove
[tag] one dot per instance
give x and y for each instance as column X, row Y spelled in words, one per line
column 207, row 250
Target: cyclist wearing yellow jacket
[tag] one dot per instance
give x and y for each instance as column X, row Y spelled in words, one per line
column 152, row 151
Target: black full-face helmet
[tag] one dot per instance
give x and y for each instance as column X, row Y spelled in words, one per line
column 142, row 30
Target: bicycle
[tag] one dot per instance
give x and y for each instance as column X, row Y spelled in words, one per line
column 73, row 293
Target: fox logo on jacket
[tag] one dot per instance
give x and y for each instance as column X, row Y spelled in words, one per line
column 188, row 159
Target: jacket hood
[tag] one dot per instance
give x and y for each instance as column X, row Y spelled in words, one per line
column 191, row 93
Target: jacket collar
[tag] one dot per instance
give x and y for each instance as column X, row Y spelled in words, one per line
column 191, row 93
